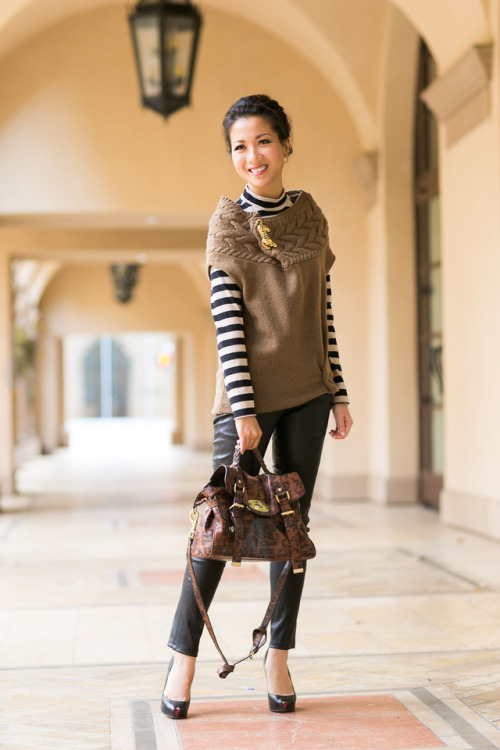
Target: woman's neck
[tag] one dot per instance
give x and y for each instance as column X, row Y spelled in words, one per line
column 252, row 193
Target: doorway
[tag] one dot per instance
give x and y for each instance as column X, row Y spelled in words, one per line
column 429, row 294
column 120, row 393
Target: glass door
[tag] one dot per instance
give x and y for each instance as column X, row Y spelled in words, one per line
column 428, row 258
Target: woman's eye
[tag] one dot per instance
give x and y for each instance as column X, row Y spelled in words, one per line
column 264, row 140
column 238, row 148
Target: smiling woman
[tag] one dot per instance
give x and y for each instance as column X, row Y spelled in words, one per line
column 279, row 370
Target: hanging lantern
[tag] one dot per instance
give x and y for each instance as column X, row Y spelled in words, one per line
column 165, row 36
column 125, row 277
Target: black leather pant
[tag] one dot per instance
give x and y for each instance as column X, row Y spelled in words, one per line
column 298, row 435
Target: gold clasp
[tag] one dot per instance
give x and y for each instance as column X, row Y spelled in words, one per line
column 287, row 512
column 264, row 235
column 258, row 505
column 194, row 515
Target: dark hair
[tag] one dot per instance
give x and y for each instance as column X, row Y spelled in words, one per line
column 258, row 105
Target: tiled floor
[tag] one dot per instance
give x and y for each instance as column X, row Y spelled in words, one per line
column 399, row 634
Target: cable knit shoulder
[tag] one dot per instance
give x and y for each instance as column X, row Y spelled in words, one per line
column 298, row 234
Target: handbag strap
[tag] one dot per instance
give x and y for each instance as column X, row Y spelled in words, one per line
column 259, row 635
column 291, row 519
column 238, row 510
column 257, row 454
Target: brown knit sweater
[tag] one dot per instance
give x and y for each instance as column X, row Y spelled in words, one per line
column 284, row 298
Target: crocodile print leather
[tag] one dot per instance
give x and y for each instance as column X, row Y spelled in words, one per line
column 251, row 518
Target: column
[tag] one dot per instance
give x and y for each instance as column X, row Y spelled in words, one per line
column 6, row 378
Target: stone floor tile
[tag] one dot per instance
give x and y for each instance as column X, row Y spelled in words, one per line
column 92, row 563
column 38, row 637
column 348, row 723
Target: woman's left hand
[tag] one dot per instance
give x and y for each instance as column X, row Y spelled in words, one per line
column 343, row 422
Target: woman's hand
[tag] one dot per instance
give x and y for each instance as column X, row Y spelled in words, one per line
column 343, row 422
column 249, row 433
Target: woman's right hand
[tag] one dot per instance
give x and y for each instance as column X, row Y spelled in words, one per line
column 249, row 433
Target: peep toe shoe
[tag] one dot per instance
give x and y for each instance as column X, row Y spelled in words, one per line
column 281, row 704
column 173, row 709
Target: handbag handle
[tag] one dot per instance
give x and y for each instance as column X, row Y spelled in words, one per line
column 255, row 451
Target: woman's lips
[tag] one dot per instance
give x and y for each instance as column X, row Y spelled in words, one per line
column 258, row 170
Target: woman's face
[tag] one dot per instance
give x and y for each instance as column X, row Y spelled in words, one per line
column 258, row 155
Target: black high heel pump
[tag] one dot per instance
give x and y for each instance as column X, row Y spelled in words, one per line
column 281, row 704
column 173, row 709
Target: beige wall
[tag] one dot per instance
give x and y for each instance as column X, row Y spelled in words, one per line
column 471, row 260
column 389, row 410
column 70, row 118
column 392, row 325
column 357, row 30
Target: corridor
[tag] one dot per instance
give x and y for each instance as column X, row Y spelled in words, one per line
column 399, row 634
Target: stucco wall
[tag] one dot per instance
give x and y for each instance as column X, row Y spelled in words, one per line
column 471, row 238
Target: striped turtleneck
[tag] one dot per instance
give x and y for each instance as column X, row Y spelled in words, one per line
column 227, row 311
column 249, row 201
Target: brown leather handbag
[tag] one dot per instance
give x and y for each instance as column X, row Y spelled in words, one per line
column 249, row 518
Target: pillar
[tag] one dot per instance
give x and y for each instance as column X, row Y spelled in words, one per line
column 6, row 379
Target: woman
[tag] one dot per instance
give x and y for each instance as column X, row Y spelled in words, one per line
column 268, row 259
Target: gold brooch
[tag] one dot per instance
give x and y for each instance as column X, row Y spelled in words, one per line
column 264, row 235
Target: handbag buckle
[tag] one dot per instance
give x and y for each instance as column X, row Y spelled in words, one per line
column 284, row 493
column 287, row 512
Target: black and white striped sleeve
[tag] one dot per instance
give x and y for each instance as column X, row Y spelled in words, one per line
column 227, row 312
column 341, row 396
